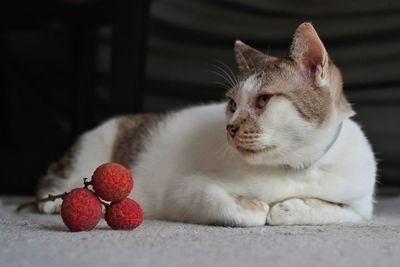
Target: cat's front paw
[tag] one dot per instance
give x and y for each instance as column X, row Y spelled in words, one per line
column 50, row 207
column 252, row 204
column 288, row 212
column 252, row 212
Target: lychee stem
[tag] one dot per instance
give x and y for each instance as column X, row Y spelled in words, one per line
column 37, row 201
column 86, row 184
column 105, row 204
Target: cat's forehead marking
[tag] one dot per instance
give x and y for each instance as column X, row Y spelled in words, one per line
column 245, row 89
column 251, row 83
column 266, row 76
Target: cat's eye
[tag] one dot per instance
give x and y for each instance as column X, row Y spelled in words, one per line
column 232, row 105
column 262, row 101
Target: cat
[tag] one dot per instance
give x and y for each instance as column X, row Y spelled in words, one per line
column 281, row 150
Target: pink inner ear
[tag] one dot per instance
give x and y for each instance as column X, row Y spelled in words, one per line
column 308, row 48
column 313, row 57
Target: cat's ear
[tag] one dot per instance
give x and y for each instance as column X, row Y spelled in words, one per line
column 249, row 59
column 309, row 52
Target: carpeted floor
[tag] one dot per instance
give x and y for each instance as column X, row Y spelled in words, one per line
column 29, row 239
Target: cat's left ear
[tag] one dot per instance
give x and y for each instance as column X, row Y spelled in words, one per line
column 309, row 52
column 249, row 59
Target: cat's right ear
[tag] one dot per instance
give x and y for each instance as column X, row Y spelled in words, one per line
column 310, row 54
column 249, row 59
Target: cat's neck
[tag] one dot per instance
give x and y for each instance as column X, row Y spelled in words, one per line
column 308, row 162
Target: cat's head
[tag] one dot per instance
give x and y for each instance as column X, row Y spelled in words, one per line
column 285, row 111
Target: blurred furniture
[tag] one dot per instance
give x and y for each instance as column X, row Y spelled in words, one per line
column 51, row 85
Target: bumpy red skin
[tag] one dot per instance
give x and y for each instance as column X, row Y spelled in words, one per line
column 112, row 182
column 81, row 210
column 124, row 215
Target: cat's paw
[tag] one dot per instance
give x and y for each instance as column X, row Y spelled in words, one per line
column 252, row 212
column 252, row 204
column 50, row 207
column 288, row 212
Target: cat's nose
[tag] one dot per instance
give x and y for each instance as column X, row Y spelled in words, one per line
column 232, row 129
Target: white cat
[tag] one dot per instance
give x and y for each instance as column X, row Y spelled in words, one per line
column 282, row 150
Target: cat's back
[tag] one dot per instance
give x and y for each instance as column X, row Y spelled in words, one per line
column 141, row 139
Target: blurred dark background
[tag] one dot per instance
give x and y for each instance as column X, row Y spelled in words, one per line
column 67, row 65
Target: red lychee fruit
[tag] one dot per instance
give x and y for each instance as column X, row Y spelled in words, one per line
column 124, row 215
column 81, row 210
column 112, row 181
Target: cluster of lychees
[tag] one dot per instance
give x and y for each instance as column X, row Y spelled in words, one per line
column 81, row 209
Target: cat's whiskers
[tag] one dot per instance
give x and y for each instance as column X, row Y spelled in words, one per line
column 227, row 80
column 231, row 79
column 223, row 149
column 221, row 85
column 233, row 76
column 228, row 75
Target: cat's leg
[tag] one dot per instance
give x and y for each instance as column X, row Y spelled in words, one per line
column 60, row 178
column 51, row 184
column 311, row 211
column 198, row 199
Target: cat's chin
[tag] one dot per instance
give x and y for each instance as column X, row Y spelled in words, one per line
column 255, row 159
column 257, row 156
column 254, row 151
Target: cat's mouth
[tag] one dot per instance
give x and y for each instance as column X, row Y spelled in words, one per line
column 252, row 151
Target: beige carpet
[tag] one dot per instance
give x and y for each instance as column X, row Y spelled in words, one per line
column 29, row 239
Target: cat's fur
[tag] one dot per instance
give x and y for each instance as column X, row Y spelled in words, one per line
column 282, row 151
